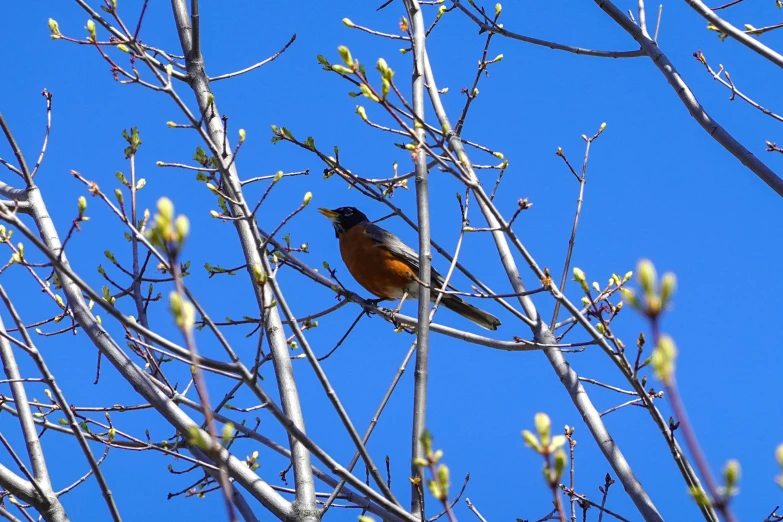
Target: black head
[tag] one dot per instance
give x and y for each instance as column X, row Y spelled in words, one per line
column 343, row 218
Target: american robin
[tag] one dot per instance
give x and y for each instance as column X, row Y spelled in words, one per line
column 387, row 267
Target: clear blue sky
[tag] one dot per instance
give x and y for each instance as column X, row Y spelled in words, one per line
column 659, row 187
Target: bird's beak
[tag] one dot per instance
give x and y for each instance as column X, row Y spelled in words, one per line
column 331, row 214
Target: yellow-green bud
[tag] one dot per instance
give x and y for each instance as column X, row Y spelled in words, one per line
column 345, row 54
column 278, row 176
column 731, row 476
column 259, row 275
column 385, row 87
column 118, row 195
column 543, row 427
column 169, row 70
column 368, row 93
column 82, row 205
column 171, row 124
column 214, row 213
column 54, row 28
column 560, row 462
column 123, row 48
column 498, row 9
column 558, row 441
column 183, row 227
column 531, row 440
column 498, row 58
column 443, row 480
column 663, row 358
column 228, row 431
column 579, row 277
column 242, row 135
column 646, row 274
column 341, row 69
column 668, row 286
column 361, row 112
column 307, row 197
column 91, row 28
column 347, row 22
column 166, row 208
column 602, row 127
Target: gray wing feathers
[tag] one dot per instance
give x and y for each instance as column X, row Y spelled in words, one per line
column 394, row 245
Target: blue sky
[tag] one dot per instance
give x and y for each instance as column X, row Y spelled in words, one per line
column 658, row 187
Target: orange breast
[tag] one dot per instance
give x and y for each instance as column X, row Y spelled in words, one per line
column 375, row 268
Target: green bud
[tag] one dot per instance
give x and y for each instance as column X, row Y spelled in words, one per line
column 242, row 135
column 307, row 198
column 166, row 208
column 646, row 274
column 668, row 286
column 579, row 277
column 54, row 28
column 198, row 438
column 228, row 431
column 531, row 440
column 630, row 296
column 341, row 69
column 82, row 205
column 443, row 481
column 441, row 11
column 278, row 176
column 123, row 48
column 214, row 213
column 361, row 112
column 543, row 427
column 663, row 359
column 171, row 124
column 385, row 87
column 731, row 476
column 91, row 28
column 183, row 227
column 141, row 184
column 426, row 441
column 558, row 441
column 345, row 54
column 118, row 195
column 498, row 9
column 560, row 462
column 169, row 70
column 498, row 58
column 347, row 22
column 259, row 275
column 368, row 93
column 420, row 462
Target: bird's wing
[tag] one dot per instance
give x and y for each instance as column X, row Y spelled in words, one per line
column 387, row 240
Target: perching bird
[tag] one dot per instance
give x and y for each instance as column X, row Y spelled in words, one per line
column 387, row 267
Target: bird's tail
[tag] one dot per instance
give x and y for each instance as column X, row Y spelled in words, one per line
column 468, row 311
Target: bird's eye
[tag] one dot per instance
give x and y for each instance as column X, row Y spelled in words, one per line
column 348, row 212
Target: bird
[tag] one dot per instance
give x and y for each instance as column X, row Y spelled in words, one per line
column 388, row 268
